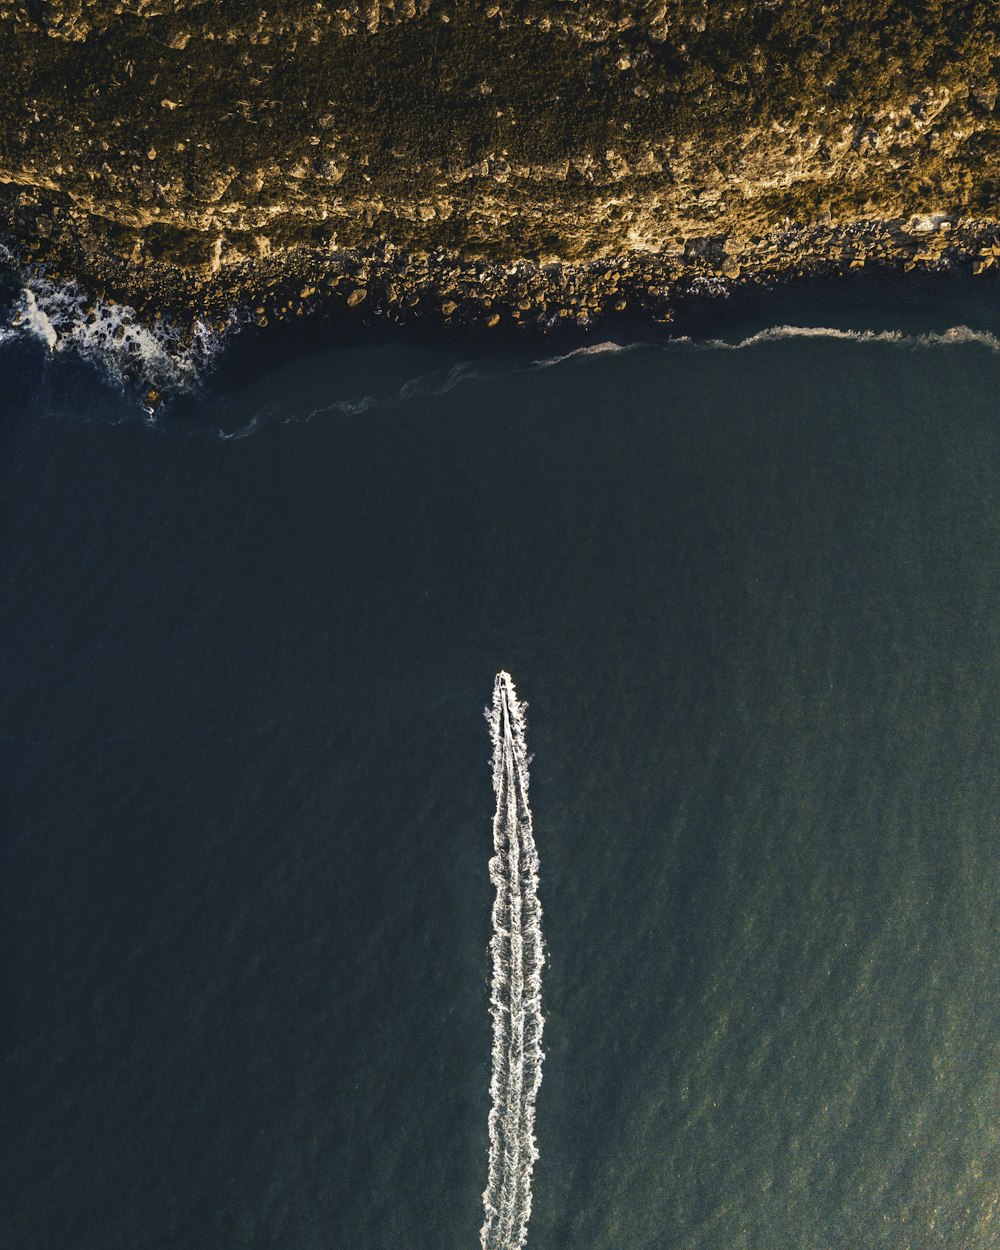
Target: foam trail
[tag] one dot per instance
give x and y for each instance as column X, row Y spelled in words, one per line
column 605, row 348
column 516, row 996
column 952, row 337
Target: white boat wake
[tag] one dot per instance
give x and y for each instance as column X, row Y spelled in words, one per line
column 516, row 995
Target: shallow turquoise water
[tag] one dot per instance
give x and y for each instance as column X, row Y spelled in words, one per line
column 752, row 599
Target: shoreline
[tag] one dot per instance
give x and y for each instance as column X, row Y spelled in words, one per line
column 533, row 168
column 308, row 294
column 522, row 295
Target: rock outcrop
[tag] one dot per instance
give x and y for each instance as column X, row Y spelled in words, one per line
column 520, row 160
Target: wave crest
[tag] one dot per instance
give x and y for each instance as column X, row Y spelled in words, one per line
column 62, row 317
column 954, row 335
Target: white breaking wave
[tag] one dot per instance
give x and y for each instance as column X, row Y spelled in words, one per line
column 234, row 436
column 433, row 384
column 469, row 372
column 424, row 385
column 36, row 320
column 516, row 994
column 111, row 336
column 954, row 336
column 605, row 348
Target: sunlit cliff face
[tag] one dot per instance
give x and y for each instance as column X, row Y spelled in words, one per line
column 192, row 138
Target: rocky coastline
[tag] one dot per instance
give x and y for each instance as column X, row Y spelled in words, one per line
column 524, row 295
column 522, row 166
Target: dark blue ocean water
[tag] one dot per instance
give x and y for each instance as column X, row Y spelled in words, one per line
column 753, row 600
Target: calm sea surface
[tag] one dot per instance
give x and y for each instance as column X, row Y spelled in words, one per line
column 753, row 600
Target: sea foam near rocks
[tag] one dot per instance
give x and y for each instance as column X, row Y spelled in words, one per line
column 112, row 337
column 953, row 336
